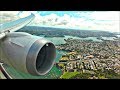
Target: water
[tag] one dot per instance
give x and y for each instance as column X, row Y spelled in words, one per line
column 60, row 40
column 55, row 72
column 108, row 38
column 91, row 38
column 118, row 35
column 59, row 54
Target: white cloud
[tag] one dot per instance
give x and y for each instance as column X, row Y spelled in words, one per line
column 6, row 16
column 24, row 14
column 95, row 20
column 108, row 15
column 9, row 12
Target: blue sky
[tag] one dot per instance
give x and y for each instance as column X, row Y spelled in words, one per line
column 90, row 20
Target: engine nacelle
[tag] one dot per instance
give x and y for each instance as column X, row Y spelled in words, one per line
column 27, row 53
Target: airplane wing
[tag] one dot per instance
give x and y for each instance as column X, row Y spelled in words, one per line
column 14, row 25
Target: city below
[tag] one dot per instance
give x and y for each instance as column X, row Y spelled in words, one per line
column 85, row 54
column 87, row 44
column 89, row 59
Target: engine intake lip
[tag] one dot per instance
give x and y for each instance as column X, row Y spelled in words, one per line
column 40, row 57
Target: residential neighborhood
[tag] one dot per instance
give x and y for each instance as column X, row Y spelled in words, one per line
column 85, row 56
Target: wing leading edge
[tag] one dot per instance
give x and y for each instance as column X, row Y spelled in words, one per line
column 15, row 25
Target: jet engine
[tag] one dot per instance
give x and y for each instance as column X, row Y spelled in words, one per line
column 27, row 53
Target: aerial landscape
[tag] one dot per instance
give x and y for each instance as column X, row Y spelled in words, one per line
column 87, row 44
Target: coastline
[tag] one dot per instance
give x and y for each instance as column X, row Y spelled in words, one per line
column 61, row 52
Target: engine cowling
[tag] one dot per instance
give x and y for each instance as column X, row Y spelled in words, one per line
column 27, row 53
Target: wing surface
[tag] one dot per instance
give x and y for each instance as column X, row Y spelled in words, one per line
column 16, row 25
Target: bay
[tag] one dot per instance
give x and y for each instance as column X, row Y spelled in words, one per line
column 55, row 72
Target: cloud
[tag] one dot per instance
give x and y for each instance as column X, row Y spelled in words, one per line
column 108, row 15
column 95, row 20
column 11, row 13
column 108, row 21
column 6, row 16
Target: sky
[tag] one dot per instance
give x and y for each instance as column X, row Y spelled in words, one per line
column 85, row 20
